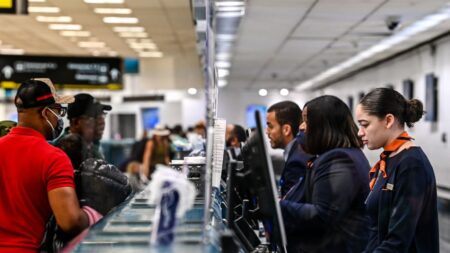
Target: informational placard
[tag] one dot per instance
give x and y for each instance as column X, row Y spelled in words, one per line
column 69, row 72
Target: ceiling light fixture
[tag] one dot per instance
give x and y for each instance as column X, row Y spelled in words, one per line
column 60, row 19
column 223, row 64
column 229, row 3
column 64, row 27
column 120, row 20
column 91, row 44
column 229, row 14
column 43, row 9
column 263, row 92
column 75, row 33
column 112, row 10
column 222, row 82
column 133, row 35
column 104, row 1
column 223, row 56
column 192, row 91
column 136, row 45
column 284, row 92
column 221, row 73
column 15, row 51
column 120, row 29
column 155, row 54
column 231, row 8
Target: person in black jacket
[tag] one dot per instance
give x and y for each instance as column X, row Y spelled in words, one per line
column 325, row 212
column 283, row 121
column 402, row 204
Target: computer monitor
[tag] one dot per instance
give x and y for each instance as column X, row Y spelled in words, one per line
column 261, row 184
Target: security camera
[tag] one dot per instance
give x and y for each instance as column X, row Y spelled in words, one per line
column 392, row 22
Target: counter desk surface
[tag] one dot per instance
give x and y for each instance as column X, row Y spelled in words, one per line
column 128, row 229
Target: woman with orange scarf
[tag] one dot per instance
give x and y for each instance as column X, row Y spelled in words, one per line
column 402, row 203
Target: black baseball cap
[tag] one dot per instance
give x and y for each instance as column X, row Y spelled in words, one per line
column 86, row 105
column 101, row 108
column 39, row 92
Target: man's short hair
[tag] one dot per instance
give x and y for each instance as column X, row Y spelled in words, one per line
column 287, row 112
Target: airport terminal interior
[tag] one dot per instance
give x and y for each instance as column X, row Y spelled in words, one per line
column 171, row 120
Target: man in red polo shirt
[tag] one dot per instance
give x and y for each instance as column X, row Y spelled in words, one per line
column 36, row 179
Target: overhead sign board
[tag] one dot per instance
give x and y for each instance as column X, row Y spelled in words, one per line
column 14, row 6
column 70, row 72
column 7, row 6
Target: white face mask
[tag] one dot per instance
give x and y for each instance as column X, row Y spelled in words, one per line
column 58, row 129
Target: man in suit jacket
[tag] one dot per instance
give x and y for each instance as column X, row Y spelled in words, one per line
column 283, row 121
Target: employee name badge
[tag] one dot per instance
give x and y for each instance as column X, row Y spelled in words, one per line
column 389, row 187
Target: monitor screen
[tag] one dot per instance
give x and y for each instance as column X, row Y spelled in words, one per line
column 250, row 114
column 261, row 184
column 431, row 98
column 150, row 117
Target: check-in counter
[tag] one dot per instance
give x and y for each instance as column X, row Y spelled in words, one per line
column 128, row 229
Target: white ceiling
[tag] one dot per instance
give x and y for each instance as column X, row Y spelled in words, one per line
column 281, row 43
column 168, row 23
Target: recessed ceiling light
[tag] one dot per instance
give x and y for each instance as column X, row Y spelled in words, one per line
column 70, row 27
column 42, row 9
column 284, row 92
column 231, row 9
column 104, row 1
column 75, row 33
column 192, row 91
column 229, row 3
column 222, row 82
column 223, row 64
column 262, row 92
column 36, row 1
column 60, row 19
column 137, row 45
column 15, row 51
column 223, row 56
column 222, row 72
column 230, row 14
column 120, row 20
column 91, row 44
column 128, row 29
column 151, row 54
column 112, row 11
column 133, row 35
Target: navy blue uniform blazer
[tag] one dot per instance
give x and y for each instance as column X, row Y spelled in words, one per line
column 295, row 165
column 406, row 211
column 326, row 211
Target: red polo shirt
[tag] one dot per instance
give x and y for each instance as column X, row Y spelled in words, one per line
column 29, row 168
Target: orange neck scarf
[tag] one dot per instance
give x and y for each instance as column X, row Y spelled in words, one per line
column 388, row 149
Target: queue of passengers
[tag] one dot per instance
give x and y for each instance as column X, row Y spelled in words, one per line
column 332, row 200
